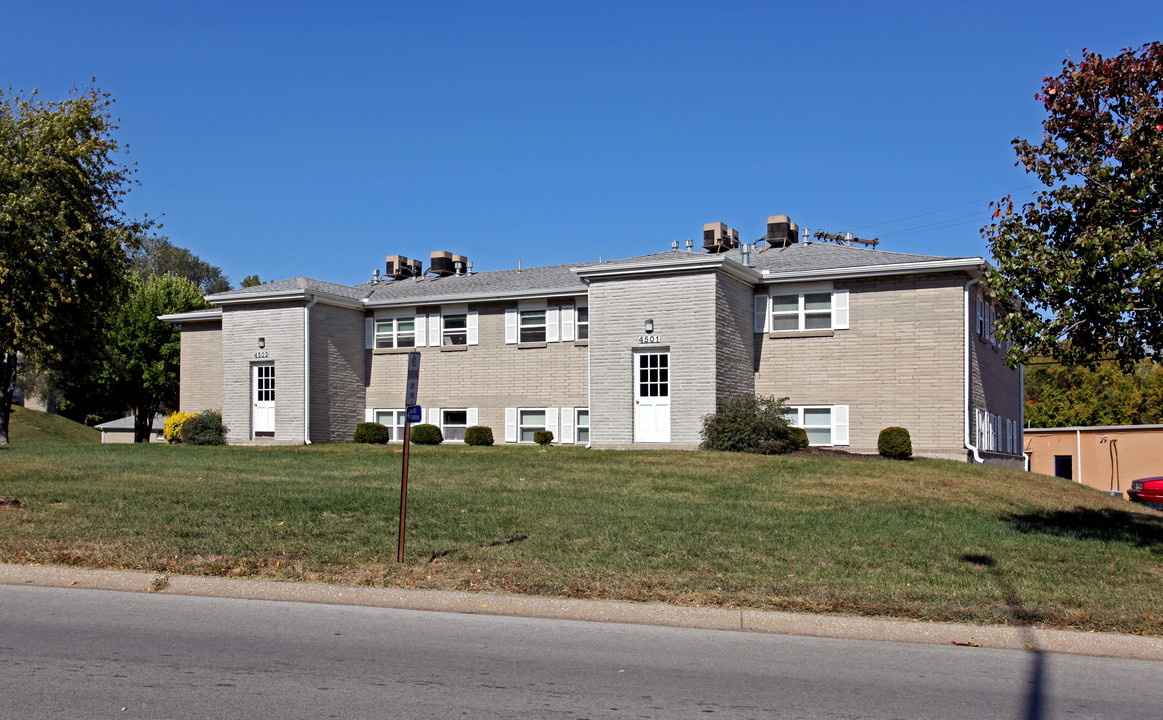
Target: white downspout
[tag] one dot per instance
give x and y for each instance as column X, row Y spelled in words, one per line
column 1078, row 444
column 968, row 400
column 307, row 370
column 1022, row 415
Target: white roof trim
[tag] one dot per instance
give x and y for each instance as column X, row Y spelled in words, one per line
column 193, row 316
column 701, row 261
column 911, row 268
column 286, row 296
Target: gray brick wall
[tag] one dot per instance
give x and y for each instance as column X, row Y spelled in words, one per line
column 200, row 376
column 683, row 308
column 337, row 372
column 900, row 363
column 734, row 328
column 282, row 326
column 489, row 376
column 993, row 388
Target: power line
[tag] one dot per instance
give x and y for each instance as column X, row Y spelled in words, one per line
column 951, row 207
column 932, row 225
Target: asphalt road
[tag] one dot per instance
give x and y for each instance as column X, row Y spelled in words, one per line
column 102, row 654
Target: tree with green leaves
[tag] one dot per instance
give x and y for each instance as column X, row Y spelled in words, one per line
column 144, row 353
column 1079, row 268
column 63, row 238
column 158, row 257
column 251, row 281
column 1060, row 395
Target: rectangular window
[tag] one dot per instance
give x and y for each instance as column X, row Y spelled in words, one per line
column 583, row 322
column 801, row 311
column 582, row 426
column 1064, row 466
column 532, row 326
column 529, row 422
column 453, row 424
column 393, row 420
column 825, row 425
column 396, row 333
column 455, row 328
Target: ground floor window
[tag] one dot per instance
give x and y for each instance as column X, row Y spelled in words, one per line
column 582, row 426
column 453, row 423
column 393, row 420
column 528, row 423
column 1064, row 466
column 824, row 424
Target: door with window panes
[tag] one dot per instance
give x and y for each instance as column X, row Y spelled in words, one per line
column 263, row 396
column 652, row 397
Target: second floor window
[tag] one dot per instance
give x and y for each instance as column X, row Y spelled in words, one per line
column 455, row 330
column 532, row 326
column 802, row 311
column 583, row 322
column 396, row 333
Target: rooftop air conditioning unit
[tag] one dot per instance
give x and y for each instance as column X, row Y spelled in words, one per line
column 441, row 264
column 780, row 232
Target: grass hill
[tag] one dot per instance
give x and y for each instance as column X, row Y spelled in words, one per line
column 31, row 427
column 927, row 539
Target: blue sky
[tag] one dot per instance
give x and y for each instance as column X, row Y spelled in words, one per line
column 291, row 138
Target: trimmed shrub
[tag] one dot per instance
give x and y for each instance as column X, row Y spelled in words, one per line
column 205, row 428
column 372, row 433
column 752, row 424
column 426, row 434
column 894, row 443
column 800, row 436
column 478, row 435
column 543, row 437
column 174, row 423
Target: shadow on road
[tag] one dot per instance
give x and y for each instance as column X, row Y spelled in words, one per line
column 1035, row 707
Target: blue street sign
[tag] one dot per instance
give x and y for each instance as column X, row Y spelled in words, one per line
column 414, row 413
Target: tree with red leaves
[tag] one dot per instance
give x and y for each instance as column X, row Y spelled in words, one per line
column 1079, row 269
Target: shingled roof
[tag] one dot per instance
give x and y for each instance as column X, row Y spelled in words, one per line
column 561, row 280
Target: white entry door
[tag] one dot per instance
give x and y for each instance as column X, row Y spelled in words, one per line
column 263, row 397
column 652, row 397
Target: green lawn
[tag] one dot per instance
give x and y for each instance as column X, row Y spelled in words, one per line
column 926, row 539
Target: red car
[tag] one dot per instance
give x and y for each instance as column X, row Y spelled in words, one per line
column 1148, row 491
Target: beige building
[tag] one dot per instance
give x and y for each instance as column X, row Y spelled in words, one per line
column 1106, row 458
column 620, row 354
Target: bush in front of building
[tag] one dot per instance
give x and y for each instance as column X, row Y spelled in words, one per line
column 426, row 434
column 543, row 437
column 800, row 436
column 894, row 443
column 478, row 435
column 174, row 423
column 751, row 424
column 372, row 433
column 205, row 428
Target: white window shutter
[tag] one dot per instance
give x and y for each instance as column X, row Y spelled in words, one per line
column 840, row 310
column 567, row 425
column 839, row 424
column 551, row 421
column 434, row 418
column 369, row 333
column 566, row 323
column 434, row 329
column 369, row 415
column 472, row 416
column 510, row 326
column 421, row 334
column 980, row 314
column 551, row 323
column 471, row 319
column 510, row 424
column 762, row 317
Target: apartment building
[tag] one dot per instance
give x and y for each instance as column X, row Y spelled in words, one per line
column 628, row 353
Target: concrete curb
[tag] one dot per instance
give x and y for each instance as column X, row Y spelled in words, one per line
column 856, row 628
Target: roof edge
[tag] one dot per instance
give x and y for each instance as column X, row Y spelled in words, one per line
column 910, row 268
